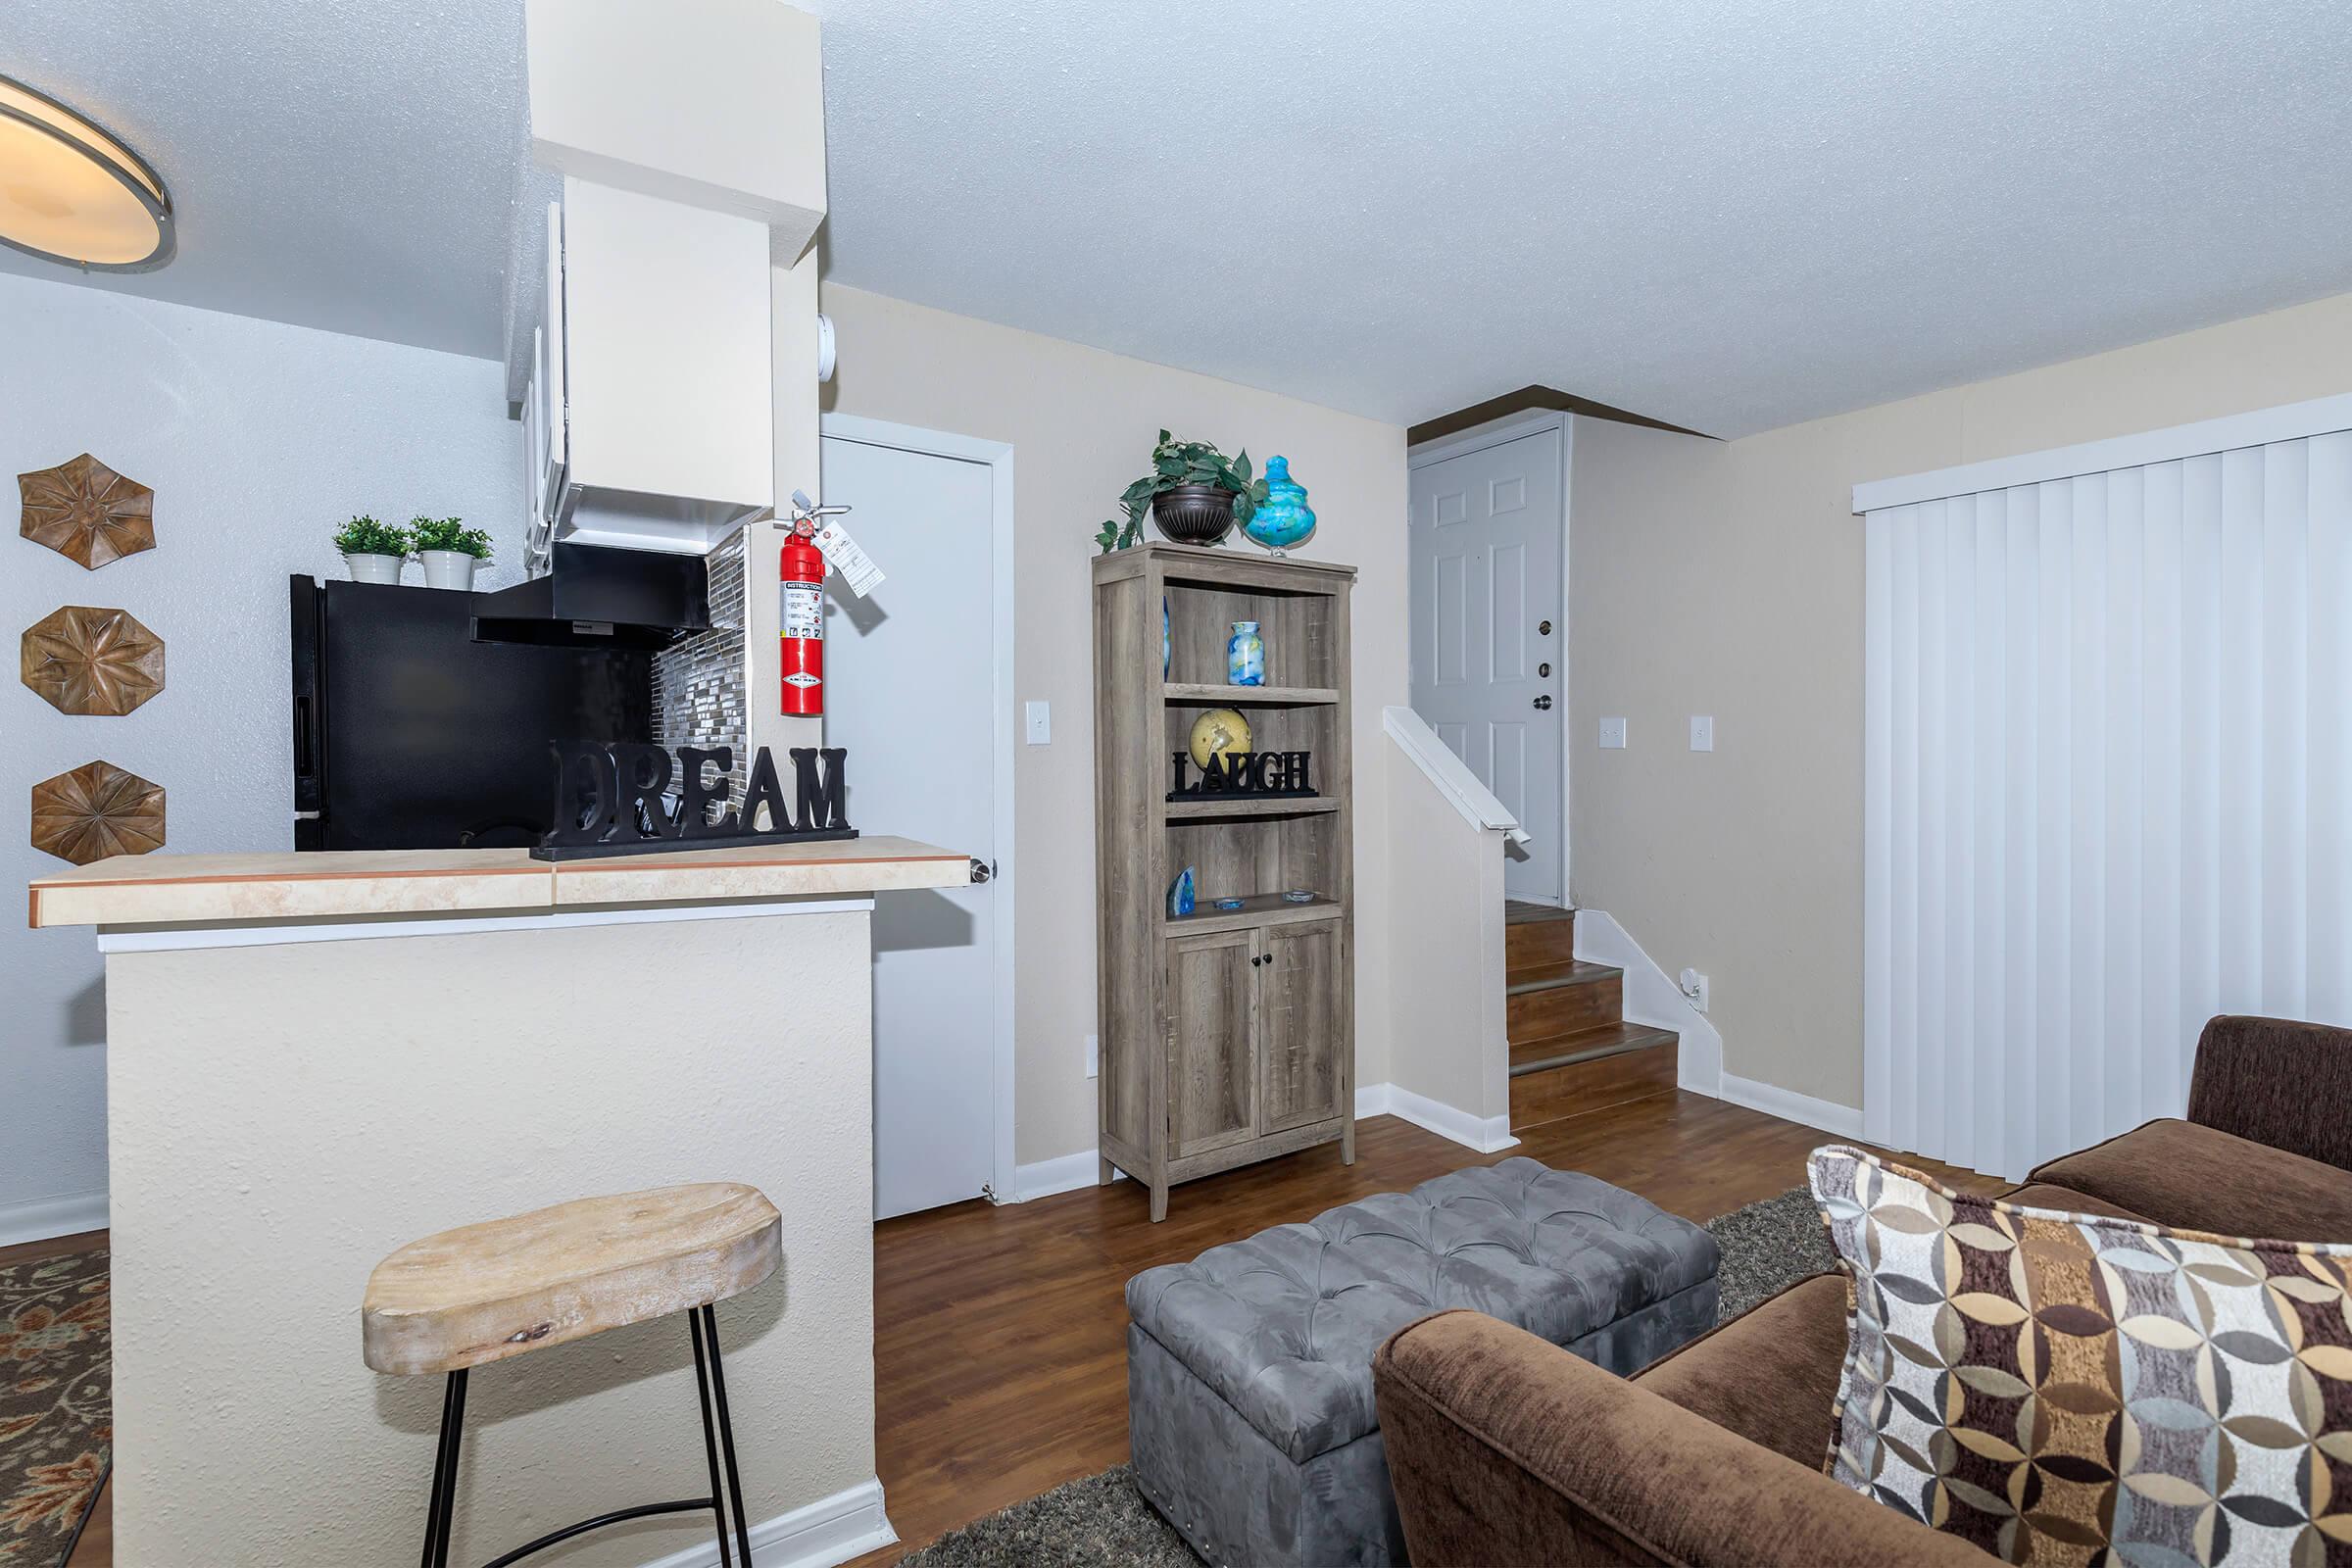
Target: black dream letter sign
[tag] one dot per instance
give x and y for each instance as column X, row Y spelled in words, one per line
column 615, row 800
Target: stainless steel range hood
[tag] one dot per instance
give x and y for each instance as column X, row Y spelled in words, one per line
column 591, row 597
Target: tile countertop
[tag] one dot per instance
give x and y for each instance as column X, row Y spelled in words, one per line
column 204, row 889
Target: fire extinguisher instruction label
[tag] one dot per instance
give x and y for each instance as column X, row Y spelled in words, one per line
column 804, row 612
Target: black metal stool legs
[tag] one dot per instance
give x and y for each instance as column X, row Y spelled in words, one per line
column 726, row 1436
column 719, row 1438
column 445, row 1473
column 712, row 1447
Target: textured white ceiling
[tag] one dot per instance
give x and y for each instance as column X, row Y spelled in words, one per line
column 342, row 164
column 1726, row 214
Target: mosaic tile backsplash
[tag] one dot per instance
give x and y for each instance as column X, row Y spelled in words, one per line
column 698, row 680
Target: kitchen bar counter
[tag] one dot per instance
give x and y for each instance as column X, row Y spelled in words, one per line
column 313, row 1058
column 204, row 889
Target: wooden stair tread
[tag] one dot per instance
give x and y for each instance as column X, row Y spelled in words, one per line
column 1552, row 976
column 483, row 1293
column 1587, row 1044
column 1516, row 914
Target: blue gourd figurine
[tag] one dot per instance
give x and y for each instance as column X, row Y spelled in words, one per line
column 1180, row 894
column 1281, row 519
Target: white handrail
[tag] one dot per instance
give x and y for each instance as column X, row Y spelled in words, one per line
column 1450, row 773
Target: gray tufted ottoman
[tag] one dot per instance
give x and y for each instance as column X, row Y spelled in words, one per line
column 1250, row 1369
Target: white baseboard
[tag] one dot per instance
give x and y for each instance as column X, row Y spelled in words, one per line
column 1787, row 1103
column 1063, row 1175
column 1486, row 1134
column 45, row 1217
column 829, row 1531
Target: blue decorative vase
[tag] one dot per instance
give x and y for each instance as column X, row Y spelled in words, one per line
column 1281, row 519
column 1246, row 656
column 1180, row 894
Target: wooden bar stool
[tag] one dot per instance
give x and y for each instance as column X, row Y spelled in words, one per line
column 483, row 1293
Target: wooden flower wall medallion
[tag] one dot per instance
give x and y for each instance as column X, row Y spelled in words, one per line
column 96, row 811
column 87, row 512
column 93, row 662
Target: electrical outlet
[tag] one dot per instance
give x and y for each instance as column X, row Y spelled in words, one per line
column 1093, row 1057
column 1612, row 734
column 1694, row 986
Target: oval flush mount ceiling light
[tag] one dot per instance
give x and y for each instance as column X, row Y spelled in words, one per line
column 70, row 193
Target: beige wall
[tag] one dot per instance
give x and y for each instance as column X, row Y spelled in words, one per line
column 1726, row 578
column 1080, row 423
column 1446, row 1003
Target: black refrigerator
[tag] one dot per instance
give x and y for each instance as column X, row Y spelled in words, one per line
column 411, row 734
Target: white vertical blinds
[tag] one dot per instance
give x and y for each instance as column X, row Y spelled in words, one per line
column 2107, row 783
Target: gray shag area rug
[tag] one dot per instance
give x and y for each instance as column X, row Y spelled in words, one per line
column 1767, row 1248
column 1102, row 1521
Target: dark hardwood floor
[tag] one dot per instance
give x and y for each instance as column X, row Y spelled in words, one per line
column 999, row 1334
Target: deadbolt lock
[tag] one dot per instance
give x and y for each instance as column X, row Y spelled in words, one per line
column 1543, row 670
column 1543, row 629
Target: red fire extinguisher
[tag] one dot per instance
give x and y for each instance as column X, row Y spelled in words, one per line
column 803, row 571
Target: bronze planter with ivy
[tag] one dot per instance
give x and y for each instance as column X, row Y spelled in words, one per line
column 1194, row 513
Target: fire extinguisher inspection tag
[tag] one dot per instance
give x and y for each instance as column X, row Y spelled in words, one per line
column 857, row 567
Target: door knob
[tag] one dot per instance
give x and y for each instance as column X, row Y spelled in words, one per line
column 1544, row 701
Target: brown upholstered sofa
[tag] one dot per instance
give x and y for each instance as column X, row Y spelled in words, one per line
column 1505, row 1450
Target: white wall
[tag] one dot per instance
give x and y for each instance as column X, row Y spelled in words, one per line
column 1726, row 578
column 1082, row 422
column 257, row 439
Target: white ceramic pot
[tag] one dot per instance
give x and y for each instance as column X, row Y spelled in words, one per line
column 448, row 568
column 370, row 568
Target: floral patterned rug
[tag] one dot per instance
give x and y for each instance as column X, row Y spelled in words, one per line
column 57, row 1406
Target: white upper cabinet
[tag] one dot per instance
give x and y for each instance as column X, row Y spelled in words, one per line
column 690, row 140
column 666, row 410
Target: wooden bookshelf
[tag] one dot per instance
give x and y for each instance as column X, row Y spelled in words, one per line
column 1211, row 696
column 1243, row 806
column 1227, row 1037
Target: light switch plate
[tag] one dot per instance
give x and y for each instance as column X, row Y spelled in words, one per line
column 1093, row 1057
column 1703, row 733
column 1038, row 723
column 1612, row 734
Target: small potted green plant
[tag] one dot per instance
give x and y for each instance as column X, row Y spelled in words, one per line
column 449, row 549
column 1193, row 492
column 373, row 551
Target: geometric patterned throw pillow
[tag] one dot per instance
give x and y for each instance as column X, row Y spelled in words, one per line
column 2072, row 1389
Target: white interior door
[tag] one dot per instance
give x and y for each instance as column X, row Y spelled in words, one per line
column 1488, row 637
column 909, row 689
